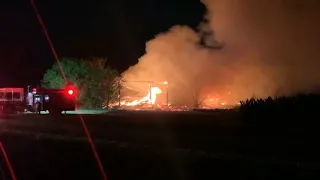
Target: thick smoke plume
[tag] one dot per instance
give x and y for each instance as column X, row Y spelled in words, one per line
column 269, row 47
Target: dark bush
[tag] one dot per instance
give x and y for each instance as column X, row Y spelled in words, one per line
column 301, row 109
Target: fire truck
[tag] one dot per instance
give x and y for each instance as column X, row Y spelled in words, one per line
column 53, row 100
column 13, row 100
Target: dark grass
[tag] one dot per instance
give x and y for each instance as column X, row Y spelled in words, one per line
column 52, row 159
column 262, row 140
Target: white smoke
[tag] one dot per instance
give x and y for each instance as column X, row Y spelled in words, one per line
column 269, row 47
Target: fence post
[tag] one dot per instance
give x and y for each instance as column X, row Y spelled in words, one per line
column 150, row 92
column 168, row 94
column 119, row 95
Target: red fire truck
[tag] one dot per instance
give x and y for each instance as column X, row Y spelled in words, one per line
column 53, row 100
column 13, row 100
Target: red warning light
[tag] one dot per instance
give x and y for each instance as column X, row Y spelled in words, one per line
column 70, row 91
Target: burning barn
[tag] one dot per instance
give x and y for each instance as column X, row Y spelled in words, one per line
column 156, row 95
column 153, row 94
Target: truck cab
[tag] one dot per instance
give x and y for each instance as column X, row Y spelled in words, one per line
column 54, row 100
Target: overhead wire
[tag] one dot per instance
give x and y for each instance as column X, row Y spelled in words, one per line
column 87, row 132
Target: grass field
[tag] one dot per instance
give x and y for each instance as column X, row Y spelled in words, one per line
column 156, row 145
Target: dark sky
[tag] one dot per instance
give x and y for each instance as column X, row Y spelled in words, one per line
column 115, row 29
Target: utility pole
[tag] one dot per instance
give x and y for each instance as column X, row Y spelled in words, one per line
column 119, row 95
column 168, row 94
column 195, row 98
column 150, row 93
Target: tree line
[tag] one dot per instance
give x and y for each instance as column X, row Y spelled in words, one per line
column 97, row 83
column 296, row 111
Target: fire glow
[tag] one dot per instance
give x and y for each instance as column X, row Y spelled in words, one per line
column 150, row 98
column 156, row 97
column 211, row 101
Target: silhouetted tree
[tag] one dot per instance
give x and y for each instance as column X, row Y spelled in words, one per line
column 96, row 81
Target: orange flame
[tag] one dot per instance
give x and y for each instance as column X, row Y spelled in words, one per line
column 150, row 98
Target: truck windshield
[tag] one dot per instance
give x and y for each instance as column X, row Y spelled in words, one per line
column 16, row 95
column 8, row 96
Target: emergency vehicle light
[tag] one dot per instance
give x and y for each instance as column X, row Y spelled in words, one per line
column 70, row 91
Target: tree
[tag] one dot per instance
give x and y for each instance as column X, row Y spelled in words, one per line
column 96, row 80
column 75, row 71
column 103, row 82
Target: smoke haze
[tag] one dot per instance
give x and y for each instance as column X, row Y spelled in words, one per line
column 270, row 47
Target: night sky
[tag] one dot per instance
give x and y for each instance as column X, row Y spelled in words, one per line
column 115, row 29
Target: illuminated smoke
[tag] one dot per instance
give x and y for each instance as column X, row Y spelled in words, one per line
column 269, row 47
